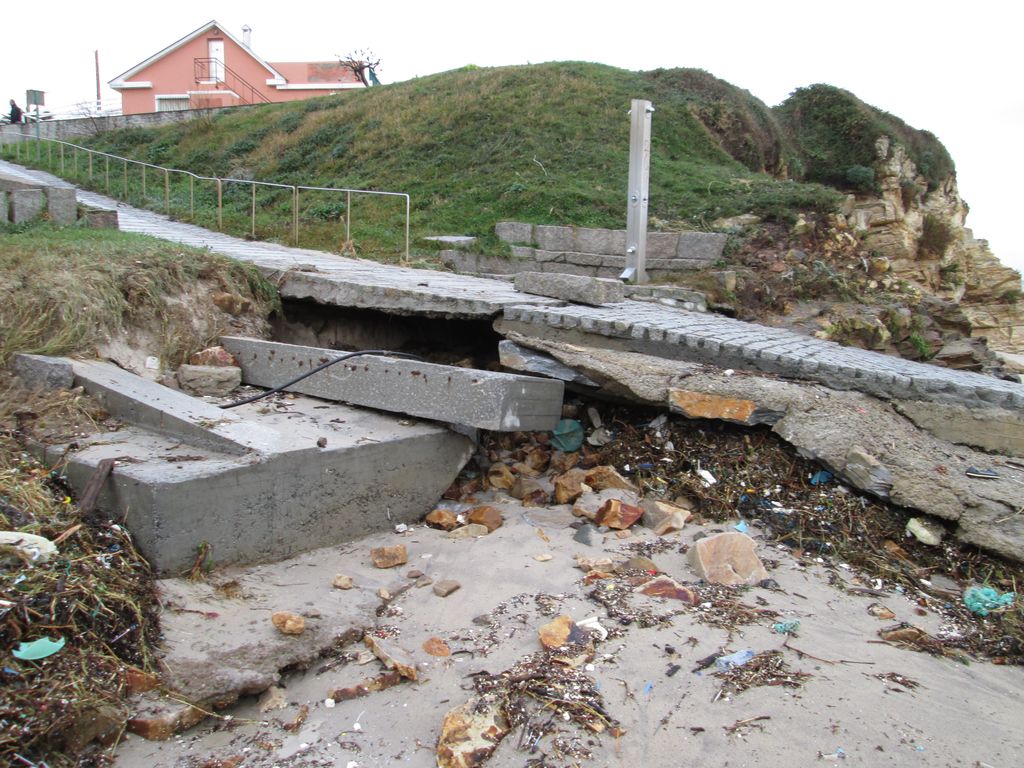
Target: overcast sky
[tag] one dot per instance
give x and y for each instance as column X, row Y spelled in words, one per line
column 943, row 66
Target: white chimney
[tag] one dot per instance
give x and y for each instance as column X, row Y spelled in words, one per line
column 247, row 36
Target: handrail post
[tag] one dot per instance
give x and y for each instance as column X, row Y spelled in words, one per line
column 90, row 165
column 253, row 211
column 106, row 172
column 125, row 192
column 407, row 228
column 167, row 192
column 49, row 155
column 220, row 209
column 191, row 198
column 74, row 153
column 61, row 159
column 348, row 216
column 143, row 185
column 295, row 216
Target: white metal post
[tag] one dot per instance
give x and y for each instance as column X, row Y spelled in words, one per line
column 639, row 181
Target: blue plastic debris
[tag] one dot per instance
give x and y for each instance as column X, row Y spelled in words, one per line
column 741, row 526
column 567, row 435
column 38, row 649
column 983, row 600
column 648, row 688
column 788, row 627
column 737, row 659
column 821, row 477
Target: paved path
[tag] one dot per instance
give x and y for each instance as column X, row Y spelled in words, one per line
column 638, row 326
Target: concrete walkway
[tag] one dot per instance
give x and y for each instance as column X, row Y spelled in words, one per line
column 635, row 326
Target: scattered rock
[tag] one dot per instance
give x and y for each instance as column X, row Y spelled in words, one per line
column 471, row 531
column 664, row 586
column 590, row 503
column 414, row 573
column 618, row 515
column 531, row 492
column 599, row 564
column 487, row 516
column 137, row 681
column 585, row 534
column 379, row 683
column 561, row 631
column 662, row 517
column 543, row 557
column 100, row 722
column 604, row 477
column 288, row 623
column 231, row 303
column 500, row 476
column 215, row 356
column 161, row 721
column 444, row 519
column 389, row 557
column 212, row 380
column 879, row 611
column 321, row 442
column 926, row 531
column 727, row 558
column 446, row 587
column 569, row 486
column 423, row 581
column 342, row 581
column 392, row 656
column 471, row 732
column 272, row 698
column 538, row 458
column 435, row 646
column 867, row 473
column 640, row 563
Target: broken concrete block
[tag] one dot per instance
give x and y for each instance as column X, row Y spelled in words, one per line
column 41, row 372
column 575, row 288
column 62, row 205
column 602, row 478
column 392, row 656
column 727, row 558
column 215, row 381
column 518, row 358
column 484, row 399
column 389, row 557
column 446, row 587
column 288, row 623
column 662, row 517
column 100, row 218
column 866, row 472
column 487, row 516
column 471, row 732
column 616, row 514
column 25, row 204
column 926, row 531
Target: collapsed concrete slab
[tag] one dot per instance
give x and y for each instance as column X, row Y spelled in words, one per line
column 863, row 440
column 482, row 399
column 585, row 290
column 253, row 484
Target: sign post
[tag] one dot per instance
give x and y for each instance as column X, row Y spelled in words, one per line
column 35, row 99
column 639, row 181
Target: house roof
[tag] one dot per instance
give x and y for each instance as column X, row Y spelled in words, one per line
column 120, row 80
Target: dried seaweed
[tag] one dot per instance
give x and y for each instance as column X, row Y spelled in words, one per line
column 766, row 668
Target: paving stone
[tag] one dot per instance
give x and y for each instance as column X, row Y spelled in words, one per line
column 585, row 290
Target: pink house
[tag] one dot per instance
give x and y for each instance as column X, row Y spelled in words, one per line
column 211, row 68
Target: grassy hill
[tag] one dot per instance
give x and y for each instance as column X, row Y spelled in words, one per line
column 544, row 143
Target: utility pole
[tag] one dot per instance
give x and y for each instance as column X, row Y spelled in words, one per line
column 99, row 101
column 639, row 181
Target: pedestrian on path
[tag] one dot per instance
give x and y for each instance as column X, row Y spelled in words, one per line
column 16, row 113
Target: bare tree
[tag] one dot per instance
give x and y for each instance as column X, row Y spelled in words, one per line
column 364, row 65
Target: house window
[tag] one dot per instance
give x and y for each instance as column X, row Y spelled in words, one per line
column 171, row 103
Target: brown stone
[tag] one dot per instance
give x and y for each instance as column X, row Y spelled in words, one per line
column 389, row 557
column 538, row 458
column 525, row 470
column 879, row 611
column 470, row 531
column 288, row 623
column 231, row 303
column 162, row 723
column 137, row 681
column 471, row 732
column 663, row 586
column 531, row 492
column 699, row 405
column 500, row 476
column 599, row 564
column 561, row 631
column 444, row 519
column 435, row 646
column 590, row 503
column 213, row 356
column 662, row 517
column 341, row 581
column 101, row 723
column 392, row 656
column 379, row 683
column 487, row 516
column 604, row 477
column 563, row 462
column 617, row 514
column 640, row 563
column 727, row 558
column 272, row 698
column 569, row 486
column 446, row 587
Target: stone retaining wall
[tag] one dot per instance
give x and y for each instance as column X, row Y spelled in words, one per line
column 22, row 201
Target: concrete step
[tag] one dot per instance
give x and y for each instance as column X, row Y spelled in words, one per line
column 255, row 483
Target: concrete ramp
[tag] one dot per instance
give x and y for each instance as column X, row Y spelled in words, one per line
column 256, row 483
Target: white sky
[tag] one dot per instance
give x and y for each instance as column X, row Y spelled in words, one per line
column 943, row 66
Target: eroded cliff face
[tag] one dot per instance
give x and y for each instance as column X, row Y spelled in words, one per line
column 921, row 235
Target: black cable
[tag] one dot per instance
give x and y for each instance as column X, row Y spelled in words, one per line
column 328, row 364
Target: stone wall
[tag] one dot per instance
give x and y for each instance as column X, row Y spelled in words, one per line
column 68, row 130
column 21, row 202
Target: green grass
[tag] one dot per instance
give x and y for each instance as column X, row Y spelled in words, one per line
column 68, row 289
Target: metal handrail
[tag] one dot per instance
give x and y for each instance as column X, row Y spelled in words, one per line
column 204, row 65
column 194, row 177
